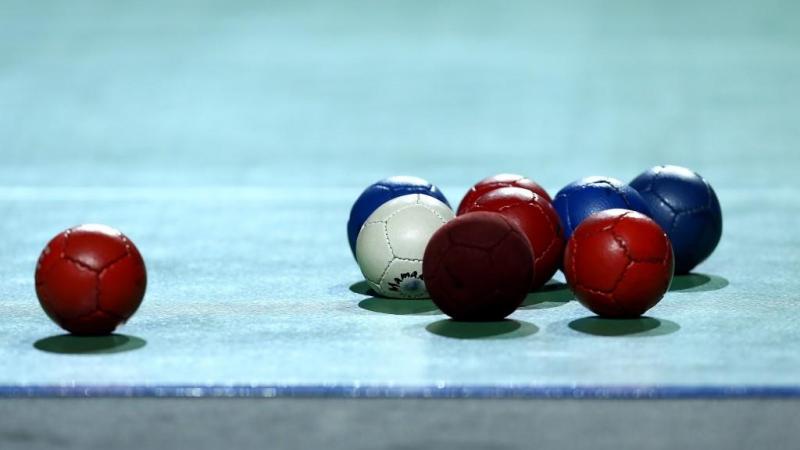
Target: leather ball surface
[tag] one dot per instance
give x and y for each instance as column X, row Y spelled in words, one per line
column 90, row 279
column 619, row 263
column 478, row 267
column 496, row 182
column 687, row 208
column 381, row 192
column 392, row 242
column 537, row 220
column 582, row 198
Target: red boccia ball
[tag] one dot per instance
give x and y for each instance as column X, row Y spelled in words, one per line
column 90, row 279
column 537, row 219
column 496, row 182
column 619, row 263
column 478, row 267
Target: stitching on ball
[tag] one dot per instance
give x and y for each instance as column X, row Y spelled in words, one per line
column 678, row 212
column 621, row 276
column 386, row 269
column 608, row 227
column 623, row 245
column 664, row 201
column 692, row 210
column 619, row 280
column 79, row 263
column 649, row 187
column 606, row 182
column 96, row 279
column 574, row 257
column 398, row 211
column 475, row 247
column 596, row 291
column 112, row 263
column 625, row 248
column 552, row 226
column 383, row 274
column 549, row 223
column 609, row 184
column 435, row 213
column 102, row 271
column 386, row 237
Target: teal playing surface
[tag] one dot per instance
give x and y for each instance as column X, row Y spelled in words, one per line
column 229, row 141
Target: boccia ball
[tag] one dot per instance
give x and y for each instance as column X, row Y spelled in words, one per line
column 582, row 198
column 90, row 279
column 478, row 267
column 687, row 208
column 381, row 192
column 619, row 263
column 538, row 221
column 392, row 242
column 496, row 182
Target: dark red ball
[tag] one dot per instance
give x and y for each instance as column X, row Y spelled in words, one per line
column 537, row 219
column 90, row 279
column 619, row 263
column 496, row 182
column 478, row 267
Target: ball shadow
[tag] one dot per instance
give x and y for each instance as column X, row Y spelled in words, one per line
column 697, row 282
column 504, row 329
column 639, row 327
column 398, row 306
column 362, row 288
column 68, row 344
column 550, row 295
column 394, row 306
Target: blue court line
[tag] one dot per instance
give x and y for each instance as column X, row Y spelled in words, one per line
column 378, row 391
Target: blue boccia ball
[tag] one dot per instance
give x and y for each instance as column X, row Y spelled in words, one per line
column 582, row 198
column 687, row 208
column 381, row 192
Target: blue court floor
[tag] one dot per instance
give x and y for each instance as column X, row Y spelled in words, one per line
column 229, row 141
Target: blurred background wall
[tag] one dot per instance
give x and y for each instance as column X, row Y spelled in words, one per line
column 338, row 94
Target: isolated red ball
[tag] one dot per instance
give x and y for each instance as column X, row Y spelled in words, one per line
column 619, row 263
column 90, row 279
column 478, row 267
column 496, row 182
column 537, row 219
